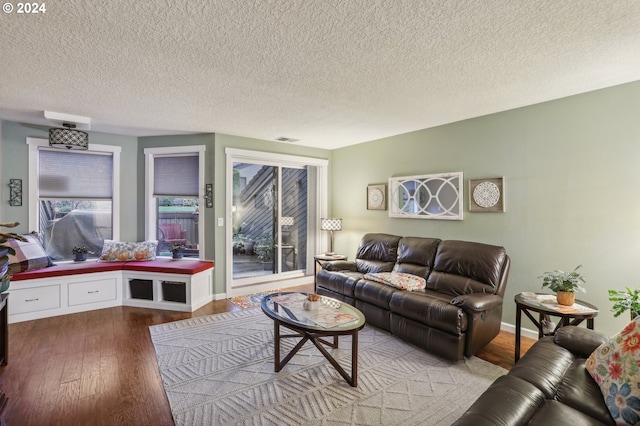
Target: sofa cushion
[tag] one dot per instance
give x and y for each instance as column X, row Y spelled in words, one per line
column 463, row 267
column 430, row 308
column 399, row 280
column 555, row 413
column 614, row 366
column 374, row 293
column 578, row 390
column 30, row 255
column 377, row 253
column 339, row 282
column 508, row 401
column 536, row 368
column 416, row 255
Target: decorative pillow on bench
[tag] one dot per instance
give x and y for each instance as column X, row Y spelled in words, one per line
column 399, row 280
column 119, row 251
column 29, row 256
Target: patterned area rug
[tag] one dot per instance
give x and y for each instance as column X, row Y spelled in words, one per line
column 250, row 300
column 218, row 369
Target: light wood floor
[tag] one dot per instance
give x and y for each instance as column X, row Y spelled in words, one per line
column 99, row 367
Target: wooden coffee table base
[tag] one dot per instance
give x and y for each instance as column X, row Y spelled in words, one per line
column 318, row 340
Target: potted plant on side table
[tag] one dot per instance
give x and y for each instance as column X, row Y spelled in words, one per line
column 625, row 300
column 565, row 284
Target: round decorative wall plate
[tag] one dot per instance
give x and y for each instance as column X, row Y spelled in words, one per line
column 486, row 195
column 376, row 197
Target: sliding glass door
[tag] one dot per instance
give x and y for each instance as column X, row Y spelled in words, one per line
column 273, row 206
column 269, row 218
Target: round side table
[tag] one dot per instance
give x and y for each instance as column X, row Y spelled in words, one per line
column 568, row 316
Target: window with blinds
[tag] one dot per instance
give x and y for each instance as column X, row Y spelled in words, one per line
column 176, row 183
column 75, row 198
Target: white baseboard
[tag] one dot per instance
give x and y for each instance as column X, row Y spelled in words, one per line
column 532, row 334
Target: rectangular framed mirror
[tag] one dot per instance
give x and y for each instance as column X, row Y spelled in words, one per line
column 434, row 196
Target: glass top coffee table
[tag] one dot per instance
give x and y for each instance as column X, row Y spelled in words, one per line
column 328, row 318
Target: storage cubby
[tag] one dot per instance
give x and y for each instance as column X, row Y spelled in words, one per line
column 174, row 291
column 141, row 289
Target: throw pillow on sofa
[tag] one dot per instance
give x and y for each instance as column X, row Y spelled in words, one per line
column 614, row 366
column 120, row 251
column 30, row 256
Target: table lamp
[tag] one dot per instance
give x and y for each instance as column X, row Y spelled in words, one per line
column 330, row 224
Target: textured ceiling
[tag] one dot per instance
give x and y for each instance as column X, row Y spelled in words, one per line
column 328, row 72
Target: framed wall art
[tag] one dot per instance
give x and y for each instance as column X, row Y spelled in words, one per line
column 376, row 197
column 436, row 196
column 486, row 195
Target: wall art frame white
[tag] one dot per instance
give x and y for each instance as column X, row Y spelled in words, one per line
column 486, row 195
column 432, row 196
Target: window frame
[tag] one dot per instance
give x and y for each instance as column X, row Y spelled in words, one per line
column 35, row 144
column 150, row 205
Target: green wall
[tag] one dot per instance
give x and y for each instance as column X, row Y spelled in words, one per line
column 572, row 173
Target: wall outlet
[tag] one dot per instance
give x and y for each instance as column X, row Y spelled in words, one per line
column 220, row 221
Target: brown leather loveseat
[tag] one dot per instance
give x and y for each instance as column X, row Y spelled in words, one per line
column 548, row 386
column 458, row 312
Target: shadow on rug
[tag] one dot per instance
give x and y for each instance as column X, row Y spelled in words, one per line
column 250, row 300
column 218, row 369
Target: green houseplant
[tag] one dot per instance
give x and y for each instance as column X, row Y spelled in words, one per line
column 80, row 253
column 177, row 251
column 264, row 249
column 565, row 284
column 625, row 300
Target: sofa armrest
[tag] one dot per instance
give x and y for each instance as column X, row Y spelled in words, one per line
column 580, row 341
column 340, row 265
column 477, row 302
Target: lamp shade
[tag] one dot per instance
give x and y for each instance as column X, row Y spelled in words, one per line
column 330, row 224
column 68, row 138
column 286, row 220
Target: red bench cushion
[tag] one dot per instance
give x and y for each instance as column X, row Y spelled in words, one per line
column 169, row 266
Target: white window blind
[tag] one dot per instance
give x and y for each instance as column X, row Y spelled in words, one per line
column 176, row 176
column 73, row 175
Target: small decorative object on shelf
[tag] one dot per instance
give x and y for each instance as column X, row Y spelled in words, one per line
column 565, row 284
column 311, row 302
column 177, row 251
column 80, row 253
column 627, row 300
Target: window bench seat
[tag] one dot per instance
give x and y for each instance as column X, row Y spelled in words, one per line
column 65, row 288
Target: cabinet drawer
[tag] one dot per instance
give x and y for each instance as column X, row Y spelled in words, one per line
column 92, row 291
column 34, row 299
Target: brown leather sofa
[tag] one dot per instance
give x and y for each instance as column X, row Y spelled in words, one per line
column 548, row 386
column 458, row 312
